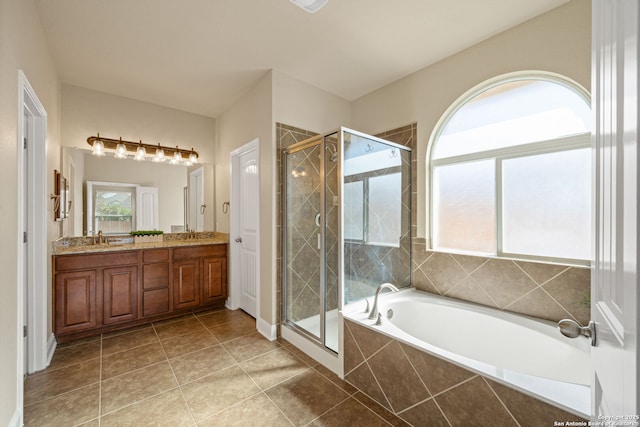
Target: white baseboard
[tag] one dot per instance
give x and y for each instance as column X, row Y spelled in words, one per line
column 51, row 348
column 269, row 331
column 16, row 419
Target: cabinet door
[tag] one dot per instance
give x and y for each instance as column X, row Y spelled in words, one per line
column 75, row 301
column 120, row 297
column 215, row 279
column 186, row 283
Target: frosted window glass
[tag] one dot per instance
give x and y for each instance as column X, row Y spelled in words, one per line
column 354, row 210
column 384, row 209
column 464, row 205
column 514, row 113
column 547, row 204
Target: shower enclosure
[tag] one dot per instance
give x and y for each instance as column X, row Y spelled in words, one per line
column 346, row 227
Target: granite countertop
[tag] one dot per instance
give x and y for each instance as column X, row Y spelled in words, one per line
column 80, row 245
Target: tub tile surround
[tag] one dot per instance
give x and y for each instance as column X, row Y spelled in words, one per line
column 423, row 389
column 546, row 291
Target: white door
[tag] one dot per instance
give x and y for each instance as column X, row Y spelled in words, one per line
column 615, row 273
column 147, row 215
column 245, row 217
column 196, row 200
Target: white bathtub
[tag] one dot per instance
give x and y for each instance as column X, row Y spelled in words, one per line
column 527, row 354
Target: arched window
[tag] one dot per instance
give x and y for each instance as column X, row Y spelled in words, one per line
column 510, row 167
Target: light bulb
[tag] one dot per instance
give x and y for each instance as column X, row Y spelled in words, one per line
column 159, row 157
column 121, row 151
column 140, row 153
column 193, row 157
column 97, row 148
column 177, row 158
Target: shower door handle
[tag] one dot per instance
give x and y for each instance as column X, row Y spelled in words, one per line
column 317, row 219
column 319, row 241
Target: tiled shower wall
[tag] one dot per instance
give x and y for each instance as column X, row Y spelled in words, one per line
column 545, row 291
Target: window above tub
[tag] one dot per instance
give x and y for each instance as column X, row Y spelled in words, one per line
column 510, row 171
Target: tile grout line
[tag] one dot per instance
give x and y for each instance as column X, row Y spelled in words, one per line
column 353, row 396
column 193, row 418
column 500, row 400
column 327, row 411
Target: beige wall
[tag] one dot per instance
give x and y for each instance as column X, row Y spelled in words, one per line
column 298, row 104
column 558, row 41
column 250, row 118
column 22, row 46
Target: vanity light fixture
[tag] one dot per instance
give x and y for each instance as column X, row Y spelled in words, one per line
column 97, row 148
column 141, row 153
column 121, row 151
column 193, row 158
column 99, row 145
column 159, row 157
column 177, row 157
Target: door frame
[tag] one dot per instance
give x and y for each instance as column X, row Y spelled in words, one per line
column 35, row 289
column 235, row 286
column 194, row 207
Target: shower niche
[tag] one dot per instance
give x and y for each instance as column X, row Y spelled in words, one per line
column 346, row 228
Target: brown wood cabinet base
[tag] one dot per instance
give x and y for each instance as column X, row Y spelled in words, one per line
column 97, row 293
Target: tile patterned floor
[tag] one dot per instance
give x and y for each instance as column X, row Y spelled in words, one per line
column 208, row 369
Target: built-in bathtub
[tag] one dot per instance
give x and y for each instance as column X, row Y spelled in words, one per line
column 523, row 353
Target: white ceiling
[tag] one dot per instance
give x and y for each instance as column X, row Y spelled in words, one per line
column 201, row 55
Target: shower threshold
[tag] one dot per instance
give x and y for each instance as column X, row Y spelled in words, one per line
column 312, row 325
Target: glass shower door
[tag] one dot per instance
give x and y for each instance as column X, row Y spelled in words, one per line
column 303, row 238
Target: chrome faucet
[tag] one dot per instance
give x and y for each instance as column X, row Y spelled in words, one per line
column 374, row 311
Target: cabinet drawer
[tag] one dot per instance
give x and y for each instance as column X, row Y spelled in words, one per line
column 155, row 255
column 95, row 260
column 200, row 251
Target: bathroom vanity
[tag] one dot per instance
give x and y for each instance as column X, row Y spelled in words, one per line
column 102, row 288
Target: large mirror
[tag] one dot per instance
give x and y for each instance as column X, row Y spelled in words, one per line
column 184, row 194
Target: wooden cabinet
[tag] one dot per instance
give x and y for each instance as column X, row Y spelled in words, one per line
column 198, row 277
column 120, row 294
column 215, row 279
column 75, row 302
column 156, row 282
column 186, row 283
column 98, row 292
